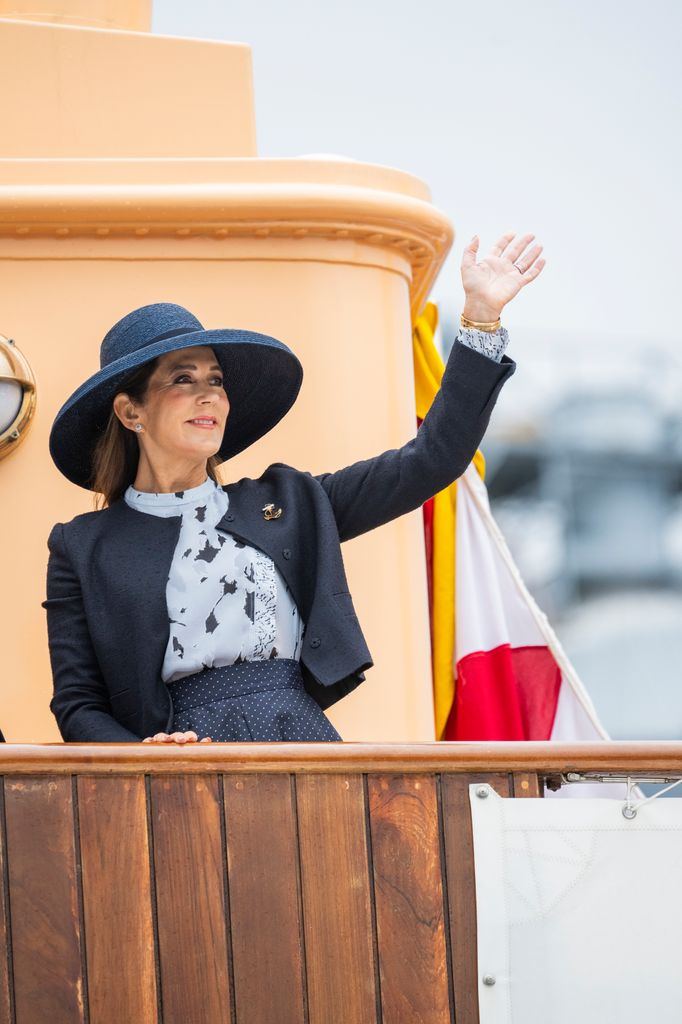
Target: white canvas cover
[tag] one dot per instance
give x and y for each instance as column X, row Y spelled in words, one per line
column 579, row 910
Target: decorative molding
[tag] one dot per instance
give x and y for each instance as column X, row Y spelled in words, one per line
column 265, row 212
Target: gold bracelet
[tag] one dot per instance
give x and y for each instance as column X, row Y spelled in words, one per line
column 492, row 326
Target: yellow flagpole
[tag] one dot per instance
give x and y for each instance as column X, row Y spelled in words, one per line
column 428, row 372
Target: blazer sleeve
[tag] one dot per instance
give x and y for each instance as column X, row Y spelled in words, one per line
column 373, row 491
column 80, row 702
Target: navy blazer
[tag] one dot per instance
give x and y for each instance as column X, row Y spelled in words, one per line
column 107, row 570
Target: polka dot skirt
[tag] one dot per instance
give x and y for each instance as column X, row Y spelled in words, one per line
column 259, row 701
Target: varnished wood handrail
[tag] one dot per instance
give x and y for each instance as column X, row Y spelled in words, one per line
column 634, row 757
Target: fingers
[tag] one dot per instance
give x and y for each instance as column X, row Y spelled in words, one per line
column 525, row 261
column 529, row 265
column 469, row 254
column 175, row 737
column 184, row 737
column 503, row 246
column 530, row 275
column 513, row 251
column 528, row 257
column 501, row 243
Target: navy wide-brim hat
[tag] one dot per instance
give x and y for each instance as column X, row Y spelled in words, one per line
column 262, row 378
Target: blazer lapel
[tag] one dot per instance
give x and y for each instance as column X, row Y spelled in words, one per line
column 140, row 548
column 245, row 520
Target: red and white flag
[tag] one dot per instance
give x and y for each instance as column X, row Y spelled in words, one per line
column 513, row 680
column 499, row 671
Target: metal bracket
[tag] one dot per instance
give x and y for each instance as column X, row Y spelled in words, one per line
column 612, row 777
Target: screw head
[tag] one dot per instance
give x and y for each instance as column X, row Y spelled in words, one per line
column 483, row 791
column 488, row 979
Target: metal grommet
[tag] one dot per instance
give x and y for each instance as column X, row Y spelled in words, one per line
column 230, row 517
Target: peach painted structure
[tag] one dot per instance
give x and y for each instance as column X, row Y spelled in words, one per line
column 128, row 175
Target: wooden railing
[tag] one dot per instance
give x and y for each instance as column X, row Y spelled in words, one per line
column 318, row 883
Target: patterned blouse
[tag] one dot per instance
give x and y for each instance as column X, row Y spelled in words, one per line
column 227, row 601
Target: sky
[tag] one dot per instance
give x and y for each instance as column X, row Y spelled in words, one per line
column 561, row 119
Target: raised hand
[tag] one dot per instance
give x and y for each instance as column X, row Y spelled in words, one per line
column 176, row 737
column 493, row 281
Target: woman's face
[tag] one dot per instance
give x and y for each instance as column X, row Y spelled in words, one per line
column 186, row 386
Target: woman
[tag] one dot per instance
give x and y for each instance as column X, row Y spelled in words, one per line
column 186, row 608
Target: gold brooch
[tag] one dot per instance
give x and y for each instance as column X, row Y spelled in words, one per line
column 269, row 511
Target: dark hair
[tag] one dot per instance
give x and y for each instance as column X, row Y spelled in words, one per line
column 117, row 451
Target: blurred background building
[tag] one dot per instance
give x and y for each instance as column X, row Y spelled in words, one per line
column 585, row 482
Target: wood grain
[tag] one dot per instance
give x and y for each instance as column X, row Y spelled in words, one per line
column 6, row 1000
column 263, row 872
column 190, row 899
column 117, row 902
column 409, row 899
column 337, row 902
column 46, row 930
column 525, row 784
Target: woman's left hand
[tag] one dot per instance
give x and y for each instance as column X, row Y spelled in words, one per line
column 490, row 284
column 176, row 737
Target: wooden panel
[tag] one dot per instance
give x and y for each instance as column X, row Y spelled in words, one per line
column 337, row 899
column 526, row 784
column 263, row 871
column 46, row 931
column 461, row 884
column 117, row 900
column 409, row 899
column 188, row 860
column 6, row 1000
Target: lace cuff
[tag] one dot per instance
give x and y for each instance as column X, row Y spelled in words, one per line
column 489, row 343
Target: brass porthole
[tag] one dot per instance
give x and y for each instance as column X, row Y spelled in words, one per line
column 17, row 396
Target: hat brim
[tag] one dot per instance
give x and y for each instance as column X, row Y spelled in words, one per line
column 262, row 378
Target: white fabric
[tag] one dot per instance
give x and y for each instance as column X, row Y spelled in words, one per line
column 578, row 910
column 494, row 607
column 490, row 610
column 227, row 601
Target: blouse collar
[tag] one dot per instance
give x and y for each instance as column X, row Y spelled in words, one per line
column 150, row 501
